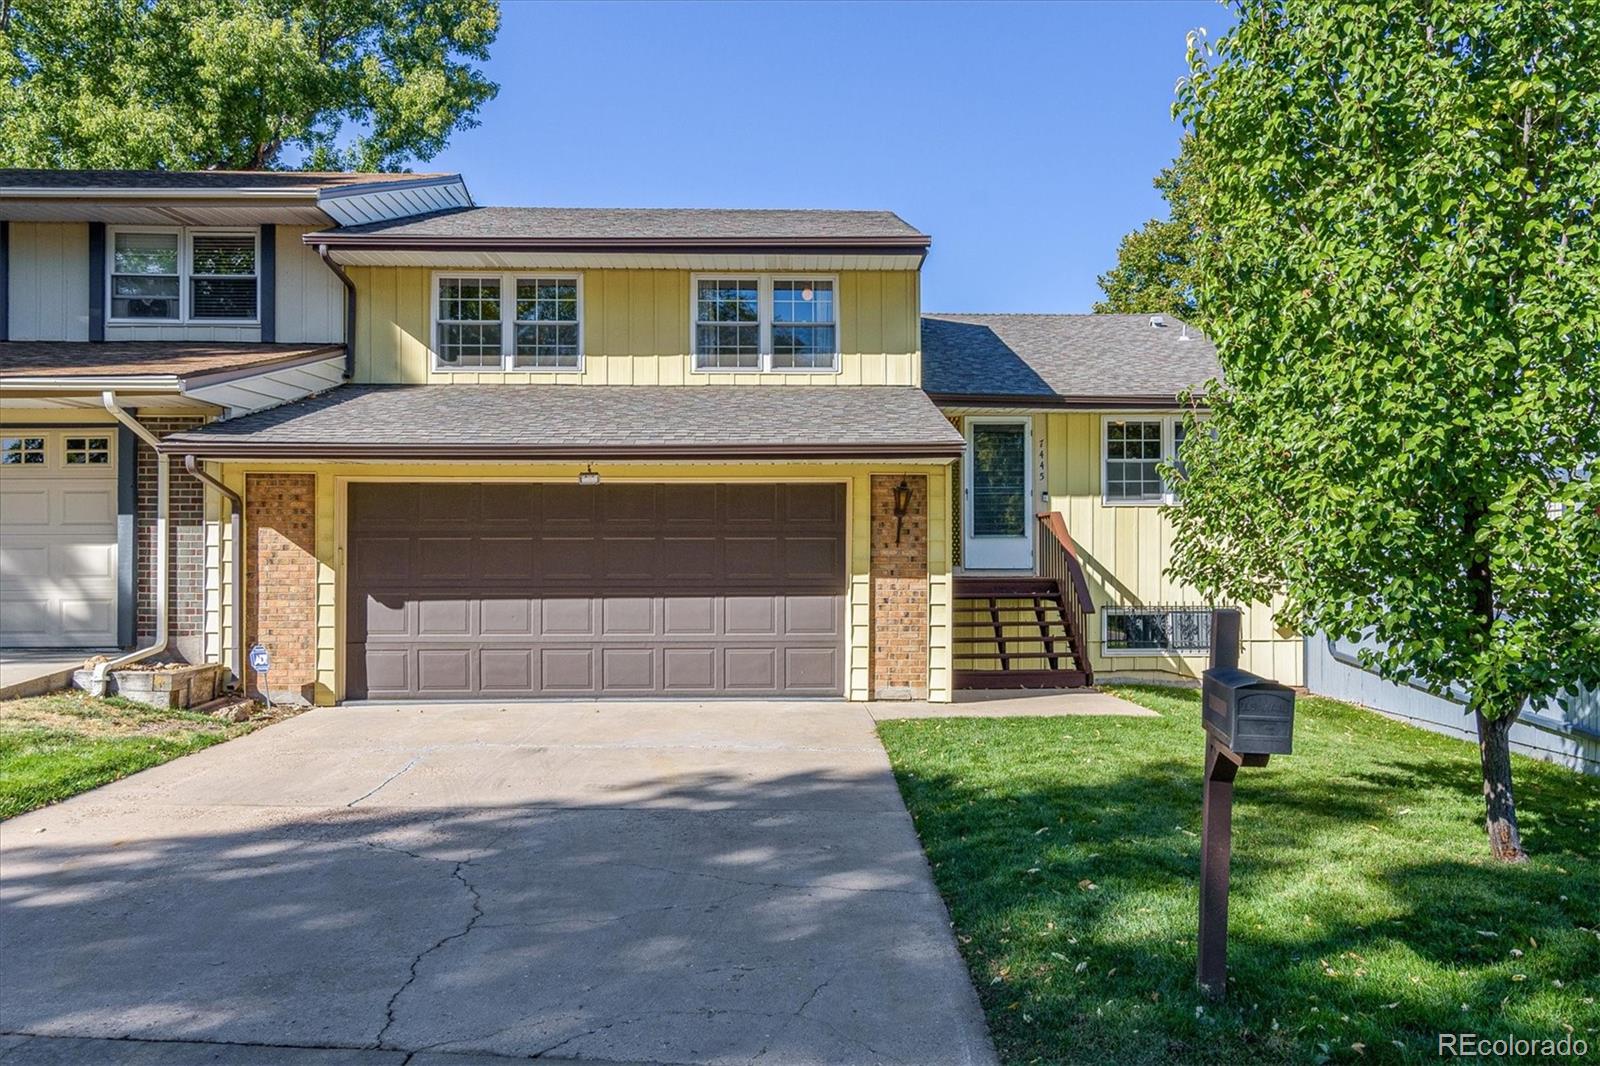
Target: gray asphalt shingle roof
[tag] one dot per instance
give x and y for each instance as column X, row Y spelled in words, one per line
column 587, row 421
column 631, row 223
column 1116, row 357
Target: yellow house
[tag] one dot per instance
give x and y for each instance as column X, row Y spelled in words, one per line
column 421, row 449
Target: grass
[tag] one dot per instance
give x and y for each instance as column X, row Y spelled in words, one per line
column 1366, row 916
column 59, row 745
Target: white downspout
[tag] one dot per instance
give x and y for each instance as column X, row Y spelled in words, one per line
column 97, row 681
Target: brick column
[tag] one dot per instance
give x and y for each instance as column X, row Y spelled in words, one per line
column 899, row 591
column 186, row 558
column 280, row 568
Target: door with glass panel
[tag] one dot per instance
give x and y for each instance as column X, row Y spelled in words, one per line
column 998, row 533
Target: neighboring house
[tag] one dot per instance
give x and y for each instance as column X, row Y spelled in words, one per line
column 453, row 452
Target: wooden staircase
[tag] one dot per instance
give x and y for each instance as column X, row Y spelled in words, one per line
column 1026, row 631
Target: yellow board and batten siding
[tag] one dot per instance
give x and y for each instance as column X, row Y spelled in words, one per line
column 636, row 331
column 331, row 555
column 1126, row 549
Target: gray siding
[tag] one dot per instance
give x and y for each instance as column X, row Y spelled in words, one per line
column 310, row 298
column 1569, row 737
column 49, row 281
column 48, row 291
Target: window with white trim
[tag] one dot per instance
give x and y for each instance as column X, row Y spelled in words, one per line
column 727, row 324
column 804, row 333
column 470, row 332
column 507, row 322
column 1132, row 452
column 222, row 276
column 145, row 280
column 765, row 322
column 175, row 274
column 21, row 451
column 1131, row 630
column 547, row 323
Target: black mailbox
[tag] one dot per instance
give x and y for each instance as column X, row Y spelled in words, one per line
column 1247, row 714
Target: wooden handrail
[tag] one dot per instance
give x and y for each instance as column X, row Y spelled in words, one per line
column 1058, row 560
column 1057, row 527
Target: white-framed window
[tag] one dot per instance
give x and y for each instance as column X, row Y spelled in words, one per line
column 765, row 322
column 511, row 321
column 178, row 274
column 1143, row 630
column 87, row 451
column 22, row 451
column 222, row 276
column 1133, row 447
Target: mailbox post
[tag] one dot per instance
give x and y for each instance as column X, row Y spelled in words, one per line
column 1247, row 719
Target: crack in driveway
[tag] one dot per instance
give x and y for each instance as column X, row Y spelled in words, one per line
column 477, row 912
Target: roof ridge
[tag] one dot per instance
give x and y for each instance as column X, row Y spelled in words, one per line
column 720, row 210
column 1040, row 314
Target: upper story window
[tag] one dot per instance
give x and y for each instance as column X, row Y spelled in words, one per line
column 765, row 323
column 476, row 327
column 183, row 275
column 1133, row 453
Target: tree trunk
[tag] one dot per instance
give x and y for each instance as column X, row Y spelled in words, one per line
column 1494, row 751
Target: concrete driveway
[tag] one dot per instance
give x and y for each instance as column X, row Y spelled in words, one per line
column 611, row 882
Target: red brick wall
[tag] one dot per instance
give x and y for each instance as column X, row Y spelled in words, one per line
column 280, row 568
column 899, row 591
column 186, row 559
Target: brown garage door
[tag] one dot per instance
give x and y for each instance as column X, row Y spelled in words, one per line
column 505, row 591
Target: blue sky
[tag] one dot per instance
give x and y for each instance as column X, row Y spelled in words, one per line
column 1023, row 137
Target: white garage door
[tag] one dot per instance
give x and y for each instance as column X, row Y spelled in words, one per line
column 58, row 538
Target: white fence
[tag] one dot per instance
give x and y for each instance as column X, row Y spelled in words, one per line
column 1570, row 736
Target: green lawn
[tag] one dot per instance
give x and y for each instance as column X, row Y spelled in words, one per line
column 56, row 746
column 1366, row 916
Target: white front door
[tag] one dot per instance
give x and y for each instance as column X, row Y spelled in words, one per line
column 58, row 538
column 998, row 525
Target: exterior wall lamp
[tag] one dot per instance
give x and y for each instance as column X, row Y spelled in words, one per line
column 591, row 476
column 902, row 504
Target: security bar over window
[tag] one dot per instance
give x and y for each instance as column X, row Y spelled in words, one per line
column 1157, row 628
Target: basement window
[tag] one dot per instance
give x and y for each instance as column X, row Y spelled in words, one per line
column 1139, row 630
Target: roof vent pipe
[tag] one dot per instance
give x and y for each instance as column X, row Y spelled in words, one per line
column 349, row 311
column 97, row 680
column 1184, row 335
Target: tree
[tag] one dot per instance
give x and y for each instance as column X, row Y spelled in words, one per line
column 1152, row 275
column 1399, row 262
column 239, row 84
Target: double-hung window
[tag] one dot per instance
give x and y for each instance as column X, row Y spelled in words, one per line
column 507, row 322
column 727, row 324
column 1134, row 449
column 761, row 322
column 183, row 275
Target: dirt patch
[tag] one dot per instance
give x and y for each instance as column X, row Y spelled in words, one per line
column 85, row 716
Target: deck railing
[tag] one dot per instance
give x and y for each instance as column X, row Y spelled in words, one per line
column 1058, row 559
